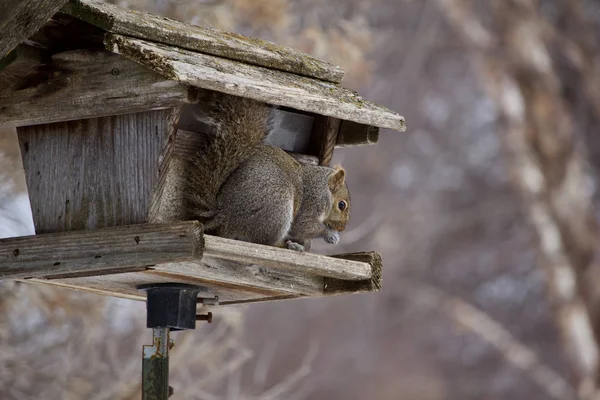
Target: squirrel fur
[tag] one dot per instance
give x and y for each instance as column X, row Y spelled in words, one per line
column 242, row 188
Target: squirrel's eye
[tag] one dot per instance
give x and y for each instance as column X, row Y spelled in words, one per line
column 342, row 205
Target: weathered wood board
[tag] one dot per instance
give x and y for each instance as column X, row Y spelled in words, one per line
column 19, row 19
column 93, row 173
column 115, row 261
column 88, row 84
column 259, row 83
column 268, row 256
column 99, row 251
column 201, row 39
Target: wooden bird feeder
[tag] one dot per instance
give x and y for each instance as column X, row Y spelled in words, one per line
column 103, row 101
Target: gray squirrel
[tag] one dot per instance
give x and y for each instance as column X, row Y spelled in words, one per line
column 242, row 188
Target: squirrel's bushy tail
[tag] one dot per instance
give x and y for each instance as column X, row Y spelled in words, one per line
column 238, row 126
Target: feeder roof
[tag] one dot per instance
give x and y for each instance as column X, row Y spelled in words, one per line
column 201, row 57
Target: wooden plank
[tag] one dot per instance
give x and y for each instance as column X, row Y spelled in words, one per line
column 273, row 257
column 98, row 251
column 202, row 39
column 374, row 283
column 231, row 281
column 88, row 84
column 245, row 275
column 125, row 286
column 93, row 173
column 354, row 134
column 20, row 19
column 274, row 87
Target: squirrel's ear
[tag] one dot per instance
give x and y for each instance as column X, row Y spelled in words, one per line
column 338, row 177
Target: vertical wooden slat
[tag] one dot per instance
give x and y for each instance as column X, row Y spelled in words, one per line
column 93, row 173
column 324, row 137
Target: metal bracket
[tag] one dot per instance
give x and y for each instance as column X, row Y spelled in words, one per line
column 169, row 307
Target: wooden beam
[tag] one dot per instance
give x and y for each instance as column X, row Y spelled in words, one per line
column 20, row 19
column 273, row 257
column 355, row 134
column 93, row 173
column 87, row 84
column 262, row 84
column 126, row 286
column 234, row 46
column 99, row 251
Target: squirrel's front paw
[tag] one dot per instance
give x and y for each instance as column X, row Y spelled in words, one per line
column 294, row 246
column 332, row 237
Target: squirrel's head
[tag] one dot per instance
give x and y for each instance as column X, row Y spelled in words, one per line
column 340, row 211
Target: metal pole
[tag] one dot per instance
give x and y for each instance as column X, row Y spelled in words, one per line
column 169, row 306
column 155, row 366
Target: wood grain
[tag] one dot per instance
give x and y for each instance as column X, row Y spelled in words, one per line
column 93, row 173
column 126, row 286
column 17, row 64
column 262, row 84
column 202, row 39
column 323, row 138
column 374, row 283
column 273, row 257
column 244, row 275
column 20, row 19
column 87, row 84
column 169, row 195
column 355, row 134
column 99, row 251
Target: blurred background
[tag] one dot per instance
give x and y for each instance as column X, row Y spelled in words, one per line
column 484, row 212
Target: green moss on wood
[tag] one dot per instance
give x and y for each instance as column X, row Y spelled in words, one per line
column 206, row 40
column 141, row 56
column 89, row 14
